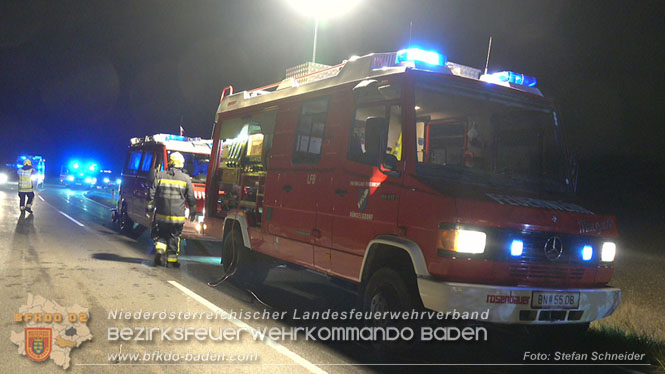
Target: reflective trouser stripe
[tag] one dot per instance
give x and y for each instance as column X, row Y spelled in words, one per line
column 165, row 218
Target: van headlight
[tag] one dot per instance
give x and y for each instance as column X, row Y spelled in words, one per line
column 462, row 241
column 3, row 178
column 608, row 252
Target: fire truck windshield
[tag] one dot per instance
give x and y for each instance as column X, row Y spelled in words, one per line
column 196, row 165
column 474, row 138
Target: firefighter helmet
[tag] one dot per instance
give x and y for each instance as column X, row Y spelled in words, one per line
column 27, row 162
column 176, row 160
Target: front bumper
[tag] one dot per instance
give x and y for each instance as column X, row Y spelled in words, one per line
column 513, row 304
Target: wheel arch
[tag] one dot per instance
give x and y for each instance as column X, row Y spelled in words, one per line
column 389, row 249
column 237, row 218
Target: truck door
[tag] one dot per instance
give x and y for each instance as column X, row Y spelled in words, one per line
column 293, row 221
column 366, row 200
column 129, row 182
column 143, row 180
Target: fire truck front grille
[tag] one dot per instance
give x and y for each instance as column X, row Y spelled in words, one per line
column 534, row 247
column 535, row 273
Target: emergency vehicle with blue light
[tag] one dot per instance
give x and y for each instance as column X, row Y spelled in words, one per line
column 424, row 182
column 77, row 173
column 145, row 157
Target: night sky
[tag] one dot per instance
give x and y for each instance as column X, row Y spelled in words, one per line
column 79, row 78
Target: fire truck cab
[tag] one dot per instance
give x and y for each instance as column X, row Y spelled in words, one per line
column 423, row 181
column 145, row 157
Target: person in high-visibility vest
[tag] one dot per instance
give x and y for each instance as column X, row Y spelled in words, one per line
column 25, row 188
column 169, row 191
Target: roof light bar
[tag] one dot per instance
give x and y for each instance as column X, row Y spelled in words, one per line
column 420, row 55
column 512, row 77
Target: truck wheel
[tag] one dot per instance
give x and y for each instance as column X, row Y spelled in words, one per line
column 250, row 267
column 126, row 224
column 388, row 291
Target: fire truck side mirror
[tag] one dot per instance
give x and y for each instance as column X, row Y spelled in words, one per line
column 376, row 133
column 574, row 172
column 151, row 175
column 389, row 165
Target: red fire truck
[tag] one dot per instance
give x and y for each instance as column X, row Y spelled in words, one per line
column 149, row 155
column 423, row 181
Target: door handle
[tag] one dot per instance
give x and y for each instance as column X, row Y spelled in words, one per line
column 341, row 192
column 287, row 188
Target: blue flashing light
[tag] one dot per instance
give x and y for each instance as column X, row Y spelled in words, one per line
column 92, row 167
column 420, row 55
column 70, row 178
column 106, row 180
column 118, row 181
column 516, row 247
column 23, row 157
column 75, row 165
column 587, row 253
column 515, row 78
column 19, row 165
column 176, row 137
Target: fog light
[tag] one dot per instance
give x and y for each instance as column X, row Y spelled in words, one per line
column 608, row 252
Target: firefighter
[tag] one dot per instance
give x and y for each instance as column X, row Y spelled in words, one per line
column 169, row 191
column 25, row 188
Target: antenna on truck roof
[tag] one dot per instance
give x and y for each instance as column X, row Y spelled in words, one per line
column 489, row 49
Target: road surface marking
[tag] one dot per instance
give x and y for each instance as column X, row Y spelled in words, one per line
column 41, row 198
column 71, row 219
column 274, row 345
column 96, row 202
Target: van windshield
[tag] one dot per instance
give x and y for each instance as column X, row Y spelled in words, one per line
column 474, row 139
column 196, row 166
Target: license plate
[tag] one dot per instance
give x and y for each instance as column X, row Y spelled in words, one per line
column 555, row 300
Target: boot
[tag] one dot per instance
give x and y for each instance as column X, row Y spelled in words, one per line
column 172, row 259
column 160, row 249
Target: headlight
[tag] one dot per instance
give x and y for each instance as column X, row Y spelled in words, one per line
column 106, row 180
column 88, row 180
column 608, row 252
column 3, row 178
column 462, row 241
column 70, row 178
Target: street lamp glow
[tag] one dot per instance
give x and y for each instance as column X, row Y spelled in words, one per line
column 321, row 9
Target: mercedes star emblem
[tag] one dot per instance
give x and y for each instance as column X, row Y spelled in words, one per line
column 553, row 248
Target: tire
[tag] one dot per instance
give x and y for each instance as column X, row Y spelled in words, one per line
column 126, row 223
column 390, row 290
column 251, row 267
column 387, row 290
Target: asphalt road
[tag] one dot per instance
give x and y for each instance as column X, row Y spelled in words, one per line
column 69, row 252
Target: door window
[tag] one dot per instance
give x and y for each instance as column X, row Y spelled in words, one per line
column 133, row 161
column 146, row 164
column 359, row 147
column 310, row 131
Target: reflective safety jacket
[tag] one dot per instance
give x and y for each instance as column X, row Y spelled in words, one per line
column 25, row 179
column 168, row 192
